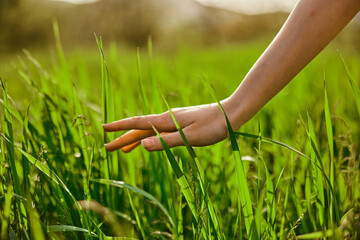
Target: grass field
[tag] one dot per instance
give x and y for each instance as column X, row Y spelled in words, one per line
column 291, row 172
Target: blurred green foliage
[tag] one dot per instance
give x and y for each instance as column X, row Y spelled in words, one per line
column 47, row 93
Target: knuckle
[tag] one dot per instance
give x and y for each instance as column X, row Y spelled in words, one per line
column 161, row 115
column 135, row 118
column 164, row 114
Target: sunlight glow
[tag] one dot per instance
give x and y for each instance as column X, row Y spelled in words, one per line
column 253, row 6
column 241, row 6
column 76, row 1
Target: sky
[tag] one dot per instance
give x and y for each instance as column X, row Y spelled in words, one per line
column 242, row 6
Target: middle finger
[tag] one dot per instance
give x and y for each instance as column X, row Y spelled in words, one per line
column 128, row 138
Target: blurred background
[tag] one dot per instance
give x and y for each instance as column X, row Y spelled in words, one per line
column 28, row 23
column 215, row 40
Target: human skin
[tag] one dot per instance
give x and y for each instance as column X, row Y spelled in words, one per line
column 309, row 28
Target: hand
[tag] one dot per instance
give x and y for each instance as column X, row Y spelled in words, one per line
column 202, row 125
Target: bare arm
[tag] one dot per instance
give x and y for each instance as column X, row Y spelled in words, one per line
column 309, row 28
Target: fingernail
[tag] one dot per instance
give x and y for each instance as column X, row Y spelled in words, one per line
column 147, row 143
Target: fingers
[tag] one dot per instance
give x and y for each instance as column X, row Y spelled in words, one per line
column 130, row 147
column 154, row 144
column 128, row 139
column 162, row 122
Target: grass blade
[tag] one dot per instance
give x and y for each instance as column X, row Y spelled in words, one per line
column 108, row 115
column 155, row 99
column 67, row 228
column 316, row 235
column 106, row 103
column 184, row 185
column 8, row 130
column 5, row 216
column 269, row 140
column 331, row 149
column 318, row 180
column 141, row 85
column 314, row 148
column 240, row 173
column 34, row 221
column 121, row 184
column 12, row 111
column 353, row 84
column 137, row 218
column 200, row 171
column 66, row 86
column 53, row 176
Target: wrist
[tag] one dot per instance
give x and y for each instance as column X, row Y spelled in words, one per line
column 235, row 111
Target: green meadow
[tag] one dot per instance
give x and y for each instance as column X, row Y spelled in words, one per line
column 292, row 172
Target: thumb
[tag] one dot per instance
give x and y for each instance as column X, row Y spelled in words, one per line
column 154, row 144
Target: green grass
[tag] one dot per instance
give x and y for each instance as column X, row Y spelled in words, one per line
column 296, row 177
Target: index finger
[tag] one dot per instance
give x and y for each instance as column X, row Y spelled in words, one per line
column 162, row 122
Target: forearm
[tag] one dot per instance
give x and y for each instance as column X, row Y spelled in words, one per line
column 309, row 28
